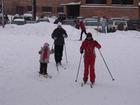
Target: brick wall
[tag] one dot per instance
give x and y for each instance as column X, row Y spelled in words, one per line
column 132, row 13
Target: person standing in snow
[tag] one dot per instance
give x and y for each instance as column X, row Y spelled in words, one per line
column 83, row 29
column 104, row 24
column 44, row 58
column 58, row 35
column 87, row 47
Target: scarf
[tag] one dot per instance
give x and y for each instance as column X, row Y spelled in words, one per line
column 45, row 55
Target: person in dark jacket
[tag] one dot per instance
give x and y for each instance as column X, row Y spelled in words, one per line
column 83, row 29
column 88, row 47
column 58, row 35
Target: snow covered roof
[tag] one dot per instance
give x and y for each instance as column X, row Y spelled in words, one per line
column 109, row 6
column 72, row 3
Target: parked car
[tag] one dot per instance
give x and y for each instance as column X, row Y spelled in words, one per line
column 62, row 16
column 45, row 19
column 138, row 27
column 19, row 21
column 93, row 24
column 132, row 24
column 58, row 20
column 96, row 17
column 126, row 18
column 114, row 23
column 29, row 19
column 69, row 22
column 17, row 16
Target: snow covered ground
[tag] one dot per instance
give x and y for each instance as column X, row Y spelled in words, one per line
column 20, row 83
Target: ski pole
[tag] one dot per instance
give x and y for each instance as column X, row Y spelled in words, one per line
column 106, row 66
column 66, row 53
column 78, row 68
column 52, row 46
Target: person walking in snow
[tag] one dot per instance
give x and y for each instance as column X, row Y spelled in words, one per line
column 44, row 58
column 83, row 29
column 58, row 35
column 104, row 24
column 87, row 47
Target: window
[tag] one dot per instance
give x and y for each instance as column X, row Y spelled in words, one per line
column 96, row 1
column 59, row 9
column 47, row 9
column 123, row 2
column 19, row 10
column 29, row 8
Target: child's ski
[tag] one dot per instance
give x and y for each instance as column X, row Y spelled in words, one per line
column 46, row 76
column 91, row 85
column 62, row 66
column 57, row 69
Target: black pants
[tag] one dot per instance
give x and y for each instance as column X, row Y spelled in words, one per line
column 82, row 33
column 43, row 68
column 58, row 53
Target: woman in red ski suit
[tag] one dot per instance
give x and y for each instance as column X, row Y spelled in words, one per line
column 88, row 46
column 83, row 29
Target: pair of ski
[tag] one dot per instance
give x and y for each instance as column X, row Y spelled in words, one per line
column 83, row 84
column 46, row 76
column 58, row 67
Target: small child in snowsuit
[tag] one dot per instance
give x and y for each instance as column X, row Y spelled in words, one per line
column 44, row 58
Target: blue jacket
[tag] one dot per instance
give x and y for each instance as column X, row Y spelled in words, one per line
column 104, row 22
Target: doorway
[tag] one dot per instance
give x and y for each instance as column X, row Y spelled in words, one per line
column 73, row 11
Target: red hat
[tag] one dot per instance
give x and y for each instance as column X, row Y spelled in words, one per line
column 89, row 34
column 46, row 44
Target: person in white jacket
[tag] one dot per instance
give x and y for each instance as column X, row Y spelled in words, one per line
column 44, row 58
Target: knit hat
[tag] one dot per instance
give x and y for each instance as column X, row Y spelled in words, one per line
column 46, row 44
column 59, row 24
column 80, row 20
column 89, row 34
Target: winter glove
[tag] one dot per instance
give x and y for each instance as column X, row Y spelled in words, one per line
column 40, row 52
column 64, row 36
column 55, row 38
column 96, row 42
column 52, row 50
column 81, row 51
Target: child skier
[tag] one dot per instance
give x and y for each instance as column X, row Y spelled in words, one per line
column 44, row 58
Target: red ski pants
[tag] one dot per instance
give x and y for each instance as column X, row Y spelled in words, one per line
column 89, row 67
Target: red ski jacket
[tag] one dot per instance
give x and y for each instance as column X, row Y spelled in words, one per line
column 88, row 47
column 81, row 25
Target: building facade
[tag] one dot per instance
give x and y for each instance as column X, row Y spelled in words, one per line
column 73, row 8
